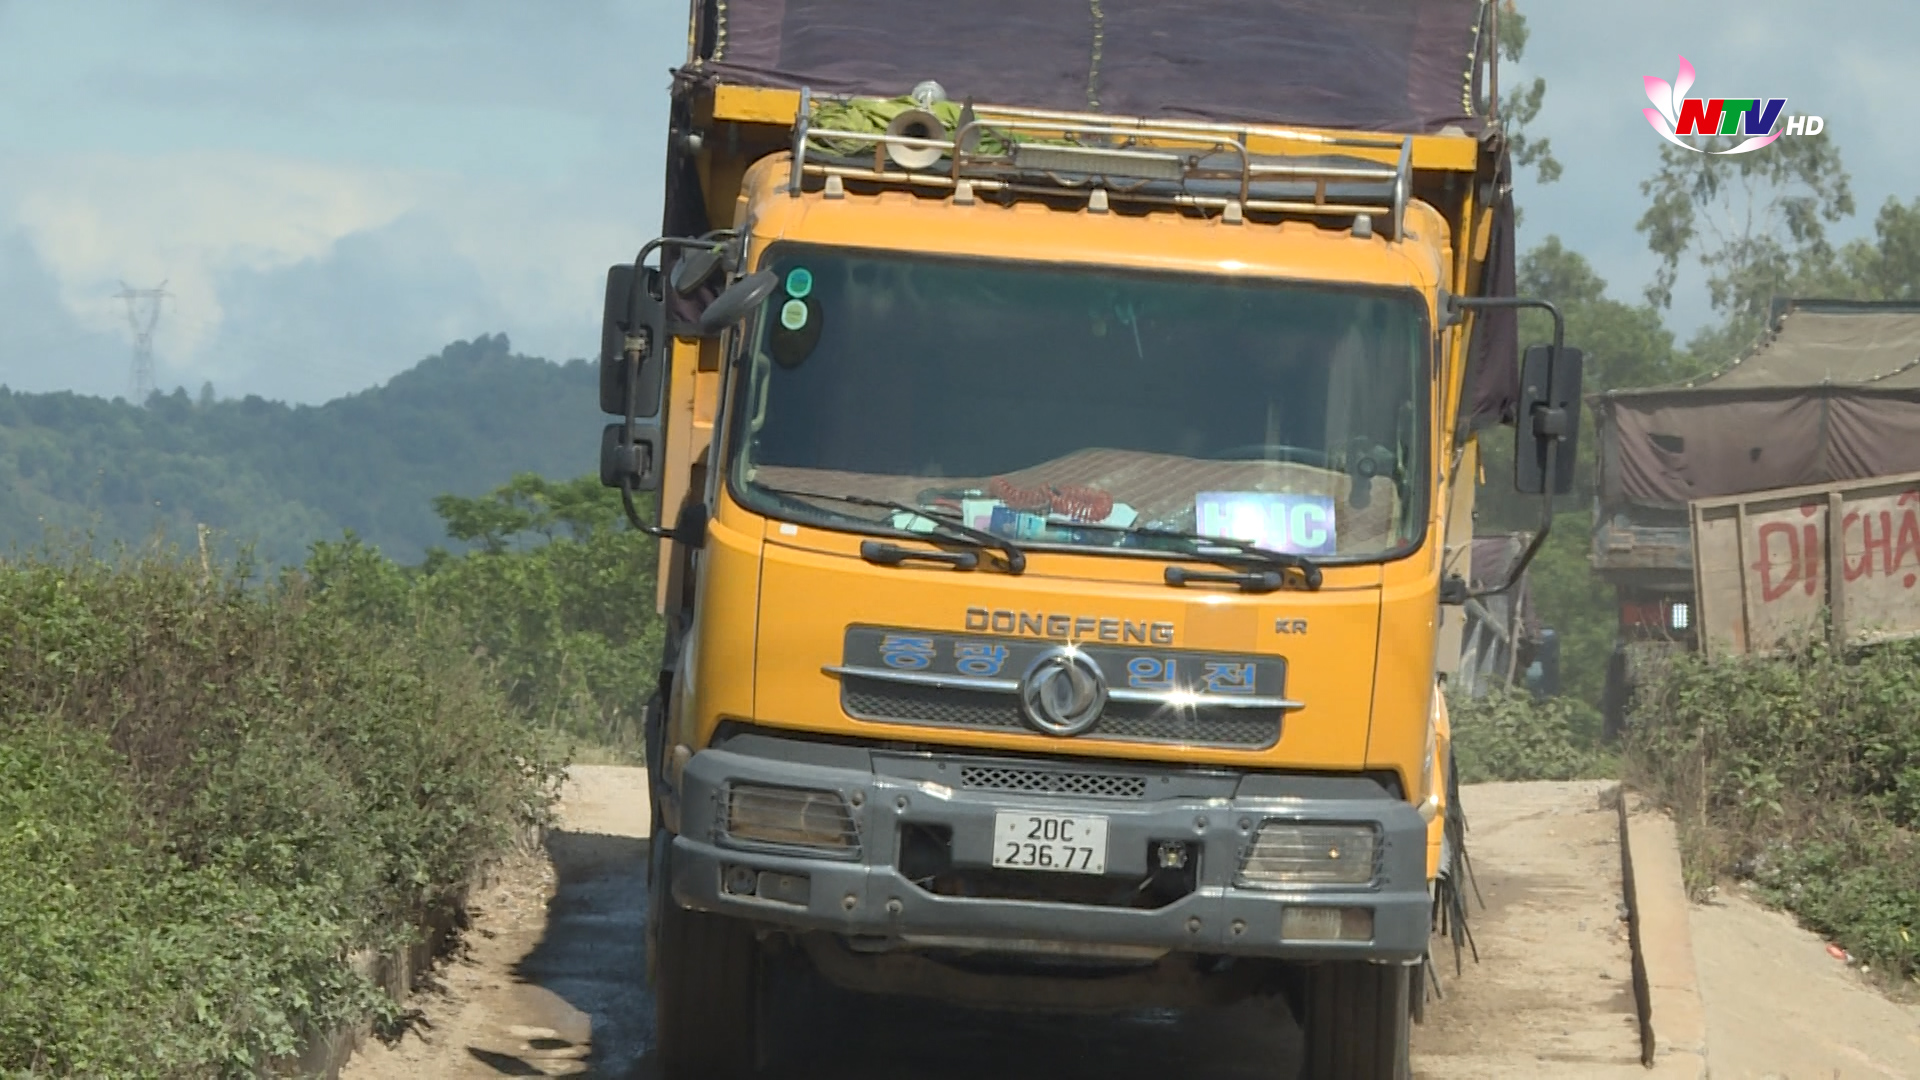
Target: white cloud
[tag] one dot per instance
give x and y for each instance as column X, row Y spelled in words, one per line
column 98, row 219
column 42, row 346
column 267, row 258
column 330, row 191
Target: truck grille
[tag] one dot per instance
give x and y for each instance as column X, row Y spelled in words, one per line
column 1050, row 782
column 883, row 702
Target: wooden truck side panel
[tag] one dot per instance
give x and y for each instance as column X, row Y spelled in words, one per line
column 1770, row 566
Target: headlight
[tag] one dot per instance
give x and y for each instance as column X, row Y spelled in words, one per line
column 1680, row 615
column 790, row 817
column 1291, row 855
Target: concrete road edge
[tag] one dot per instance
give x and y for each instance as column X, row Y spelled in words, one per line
column 1666, row 985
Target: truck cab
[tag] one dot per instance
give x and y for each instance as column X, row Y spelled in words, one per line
column 1066, row 508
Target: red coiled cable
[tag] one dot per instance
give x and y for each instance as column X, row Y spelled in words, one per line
column 1018, row 498
column 1082, row 503
column 1074, row 501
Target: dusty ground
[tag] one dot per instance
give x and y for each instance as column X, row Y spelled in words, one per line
column 553, row 967
column 1553, row 992
column 1778, row 1006
column 552, row 979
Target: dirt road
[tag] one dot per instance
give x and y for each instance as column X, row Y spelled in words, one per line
column 552, row 980
column 1553, row 992
column 1778, row 1006
column 550, row 977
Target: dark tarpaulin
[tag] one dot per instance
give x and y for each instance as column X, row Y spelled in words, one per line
column 1666, row 452
column 1492, row 391
column 1832, row 393
column 1369, row 65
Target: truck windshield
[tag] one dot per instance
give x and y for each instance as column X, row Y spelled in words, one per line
column 1087, row 408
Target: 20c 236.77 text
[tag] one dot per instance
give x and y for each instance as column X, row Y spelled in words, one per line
column 1037, row 840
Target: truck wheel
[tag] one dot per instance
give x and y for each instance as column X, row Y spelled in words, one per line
column 1359, row 1021
column 1615, row 698
column 706, row 993
column 1417, row 989
column 653, row 740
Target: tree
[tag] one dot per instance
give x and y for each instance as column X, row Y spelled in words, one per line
column 1520, row 106
column 529, row 503
column 1626, row 346
column 1887, row 267
column 567, row 623
column 1755, row 222
column 491, row 521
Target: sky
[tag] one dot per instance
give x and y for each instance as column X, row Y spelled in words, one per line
column 331, row 191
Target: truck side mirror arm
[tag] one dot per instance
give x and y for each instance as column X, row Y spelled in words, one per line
column 631, row 451
column 1549, row 414
column 1551, row 423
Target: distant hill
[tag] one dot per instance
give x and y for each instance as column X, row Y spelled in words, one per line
column 283, row 476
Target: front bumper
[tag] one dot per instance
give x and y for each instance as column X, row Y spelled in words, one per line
column 1216, row 813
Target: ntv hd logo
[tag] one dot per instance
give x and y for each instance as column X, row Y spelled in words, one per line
column 1674, row 114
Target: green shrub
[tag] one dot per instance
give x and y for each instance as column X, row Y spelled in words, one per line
column 1801, row 774
column 1507, row 735
column 210, row 796
column 557, row 597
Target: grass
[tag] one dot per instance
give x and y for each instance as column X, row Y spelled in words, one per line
column 1801, row 776
column 1507, row 735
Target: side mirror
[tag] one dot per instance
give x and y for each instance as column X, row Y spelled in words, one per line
column 693, row 269
column 737, row 302
column 1548, row 422
column 633, row 318
column 637, row 462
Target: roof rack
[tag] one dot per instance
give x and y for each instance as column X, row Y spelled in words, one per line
column 1205, row 166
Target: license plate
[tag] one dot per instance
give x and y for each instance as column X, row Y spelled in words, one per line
column 1063, row 843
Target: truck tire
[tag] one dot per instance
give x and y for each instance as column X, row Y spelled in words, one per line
column 653, row 745
column 706, row 993
column 1359, row 1022
column 1616, row 697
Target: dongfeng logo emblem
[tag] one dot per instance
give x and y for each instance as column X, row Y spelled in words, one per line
column 1063, row 693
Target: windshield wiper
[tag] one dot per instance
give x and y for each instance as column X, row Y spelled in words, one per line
column 954, row 527
column 882, row 553
column 1237, row 554
column 1252, row 581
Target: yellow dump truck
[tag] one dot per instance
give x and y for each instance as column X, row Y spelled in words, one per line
column 1066, row 417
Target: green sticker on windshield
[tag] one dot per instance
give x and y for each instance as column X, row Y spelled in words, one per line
column 793, row 314
column 799, row 283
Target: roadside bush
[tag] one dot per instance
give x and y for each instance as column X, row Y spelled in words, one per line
column 557, row 597
column 211, row 795
column 1802, row 775
column 1507, row 735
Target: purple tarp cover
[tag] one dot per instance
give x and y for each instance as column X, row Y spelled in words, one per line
column 1375, row 65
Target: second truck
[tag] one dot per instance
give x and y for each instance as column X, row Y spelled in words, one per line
column 1061, row 421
